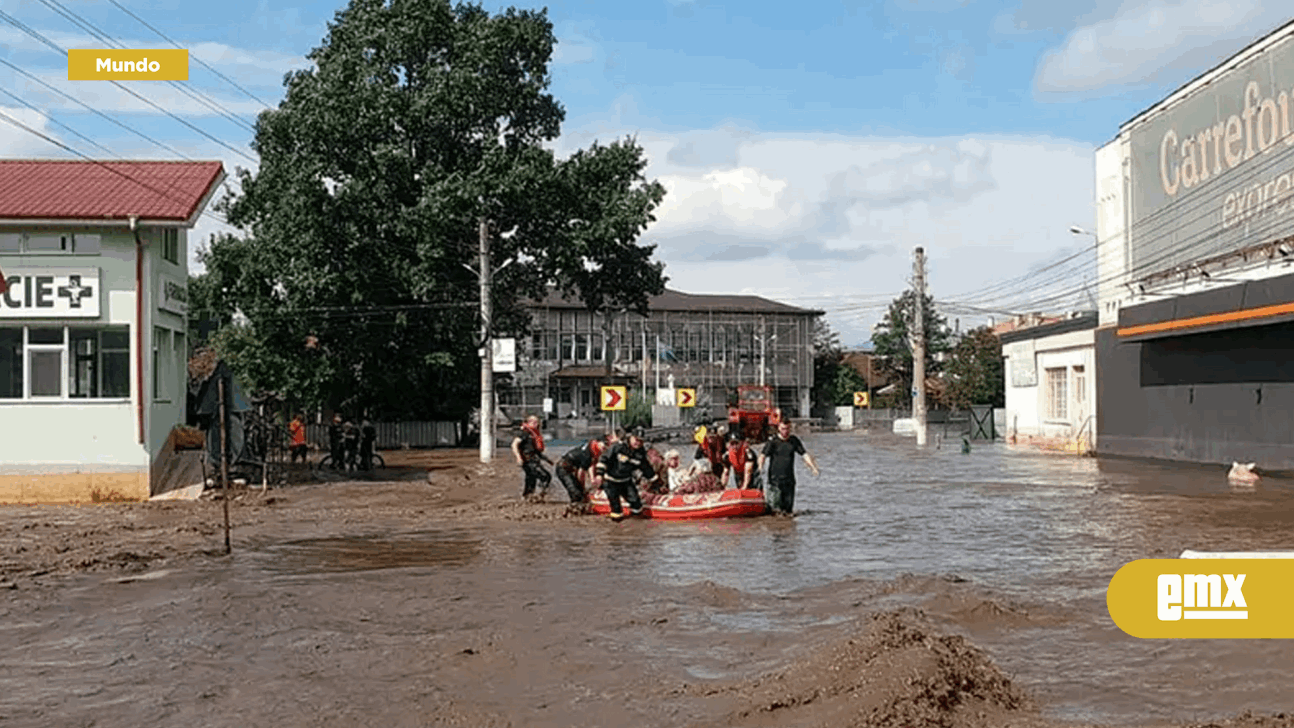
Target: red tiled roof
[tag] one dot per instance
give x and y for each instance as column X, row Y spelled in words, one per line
column 48, row 189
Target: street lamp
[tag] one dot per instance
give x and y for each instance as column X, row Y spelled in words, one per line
column 1076, row 230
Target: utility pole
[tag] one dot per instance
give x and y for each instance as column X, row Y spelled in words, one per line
column 919, row 347
column 486, row 275
column 761, row 351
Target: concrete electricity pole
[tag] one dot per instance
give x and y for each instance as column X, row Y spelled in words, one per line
column 486, row 274
column 919, row 347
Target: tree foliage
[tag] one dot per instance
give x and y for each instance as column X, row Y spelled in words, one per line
column 418, row 121
column 827, row 355
column 892, row 339
column 975, row 371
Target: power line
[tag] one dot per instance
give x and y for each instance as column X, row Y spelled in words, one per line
column 202, row 63
column 90, row 28
column 38, row 36
column 142, row 183
column 56, row 121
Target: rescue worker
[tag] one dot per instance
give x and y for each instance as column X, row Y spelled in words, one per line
column 740, row 465
column 528, row 449
column 618, row 467
column 780, row 454
column 576, row 468
column 710, row 449
column 297, row 431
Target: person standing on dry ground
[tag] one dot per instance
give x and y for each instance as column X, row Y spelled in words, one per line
column 367, row 436
column 335, row 443
column 528, row 449
column 780, row 454
column 297, row 433
column 618, row 467
column 350, row 440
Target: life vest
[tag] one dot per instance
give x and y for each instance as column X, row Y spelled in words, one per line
column 713, row 449
column 737, row 459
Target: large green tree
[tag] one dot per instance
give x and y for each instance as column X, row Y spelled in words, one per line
column 893, row 342
column 827, row 355
column 976, row 374
column 419, row 120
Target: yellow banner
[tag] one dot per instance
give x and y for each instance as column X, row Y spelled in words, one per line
column 112, row 64
column 1204, row 598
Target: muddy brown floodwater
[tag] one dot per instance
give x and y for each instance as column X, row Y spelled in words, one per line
column 913, row 588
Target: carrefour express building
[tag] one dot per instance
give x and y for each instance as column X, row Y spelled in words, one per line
column 93, row 346
column 1195, row 218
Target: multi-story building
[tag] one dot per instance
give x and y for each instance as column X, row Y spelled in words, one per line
column 709, row 343
column 1195, row 233
column 92, row 323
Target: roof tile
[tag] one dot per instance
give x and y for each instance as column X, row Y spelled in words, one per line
column 98, row 190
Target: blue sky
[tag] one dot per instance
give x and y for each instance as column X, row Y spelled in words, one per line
column 806, row 150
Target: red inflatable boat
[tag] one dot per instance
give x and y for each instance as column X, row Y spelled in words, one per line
column 718, row 504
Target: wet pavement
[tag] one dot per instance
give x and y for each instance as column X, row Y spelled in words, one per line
column 322, row 621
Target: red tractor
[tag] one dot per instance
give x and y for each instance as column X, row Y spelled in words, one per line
column 755, row 414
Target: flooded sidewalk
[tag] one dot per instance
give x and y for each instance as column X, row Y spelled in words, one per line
column 914, row 587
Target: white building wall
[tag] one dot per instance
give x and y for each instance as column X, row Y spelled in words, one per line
column 100, row 435
column 1112, row 168
column 1027, row 411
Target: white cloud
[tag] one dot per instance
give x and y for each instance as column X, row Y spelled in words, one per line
column 17, row 142
column 830, row 221
column 1153, row 43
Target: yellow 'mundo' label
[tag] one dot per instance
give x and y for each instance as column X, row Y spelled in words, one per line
column 1204, row 598
column 114, row 64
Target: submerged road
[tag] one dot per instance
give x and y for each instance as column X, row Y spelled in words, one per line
column 433, row 619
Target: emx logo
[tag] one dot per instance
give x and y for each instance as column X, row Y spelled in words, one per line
column 1203, row 598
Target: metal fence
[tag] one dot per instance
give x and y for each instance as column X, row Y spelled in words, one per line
column 395, row 435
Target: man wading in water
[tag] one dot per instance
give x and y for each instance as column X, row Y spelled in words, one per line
column 618, row 467
column 528, row 447
column 575, row 468
column 780, row 453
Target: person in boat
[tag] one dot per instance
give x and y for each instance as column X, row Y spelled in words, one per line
column 675, row 474
column 575, row 469
column 528, row 449
column 739, row 464
column 618, row 467
column 779, row 452
column 710, row 449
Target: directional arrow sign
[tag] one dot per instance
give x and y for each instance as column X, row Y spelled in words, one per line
column 686, row 397
column 860, row 399
column 613, row 398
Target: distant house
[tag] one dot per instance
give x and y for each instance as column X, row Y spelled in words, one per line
column 92, row 324
column 1051, row 382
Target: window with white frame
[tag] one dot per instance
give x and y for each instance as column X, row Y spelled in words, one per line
column 100, row 363
column 46, row 352
column 55, row 362
column 1080, row 388
column 171, row 245
column 1057, row 394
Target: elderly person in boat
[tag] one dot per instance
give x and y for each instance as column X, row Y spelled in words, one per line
column 675, row 474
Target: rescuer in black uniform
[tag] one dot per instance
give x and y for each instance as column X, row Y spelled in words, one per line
column 575, row 469
column 618, row 467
